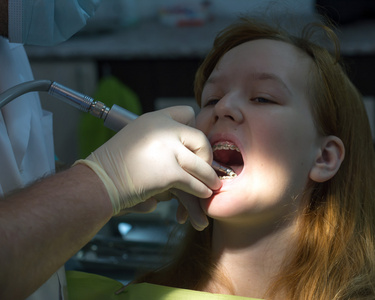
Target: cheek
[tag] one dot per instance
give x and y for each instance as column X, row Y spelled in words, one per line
column 202, row 121
column 285, row 140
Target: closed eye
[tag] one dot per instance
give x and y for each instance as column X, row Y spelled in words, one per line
column 211, row 102
column 262, row 100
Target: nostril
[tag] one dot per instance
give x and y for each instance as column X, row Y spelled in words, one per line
column 217, row 117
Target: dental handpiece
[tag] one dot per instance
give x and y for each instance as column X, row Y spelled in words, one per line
column 115, row 118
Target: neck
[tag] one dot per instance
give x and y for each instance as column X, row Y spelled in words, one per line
column 250, row 256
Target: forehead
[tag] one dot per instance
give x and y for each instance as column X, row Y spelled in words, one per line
column 279, row 59
column 273, row 51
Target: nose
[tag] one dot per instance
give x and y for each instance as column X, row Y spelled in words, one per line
column 229, row 107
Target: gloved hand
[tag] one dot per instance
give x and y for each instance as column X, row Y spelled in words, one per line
column 157, row 157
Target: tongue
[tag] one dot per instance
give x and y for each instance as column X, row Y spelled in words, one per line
column 228, row 157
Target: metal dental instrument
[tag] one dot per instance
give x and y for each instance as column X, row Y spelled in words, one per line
column 228, row 171
column 115, row 118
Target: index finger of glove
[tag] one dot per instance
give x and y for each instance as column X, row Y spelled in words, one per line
column 182, row 114
column 198, row 168
column 192, row 138
column 196, row 141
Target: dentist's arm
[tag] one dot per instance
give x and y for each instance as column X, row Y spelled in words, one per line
column 155, row 157
column 41, row 227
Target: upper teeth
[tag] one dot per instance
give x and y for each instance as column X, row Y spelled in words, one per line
column 225, row 146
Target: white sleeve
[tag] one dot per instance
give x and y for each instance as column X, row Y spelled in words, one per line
column 48, row 22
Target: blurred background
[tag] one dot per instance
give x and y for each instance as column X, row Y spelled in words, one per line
column 142, row 55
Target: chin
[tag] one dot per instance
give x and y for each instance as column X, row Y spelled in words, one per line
column 220, row 206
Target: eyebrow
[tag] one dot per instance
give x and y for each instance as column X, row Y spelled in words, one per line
column 256, row 76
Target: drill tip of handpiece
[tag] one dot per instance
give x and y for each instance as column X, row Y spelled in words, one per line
column 227, row 171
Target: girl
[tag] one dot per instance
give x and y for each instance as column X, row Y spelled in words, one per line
column 298, row 220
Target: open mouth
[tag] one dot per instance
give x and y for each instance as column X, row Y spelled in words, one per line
column 228, row 155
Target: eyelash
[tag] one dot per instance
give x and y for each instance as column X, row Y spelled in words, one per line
column 263, row 100
column 256, row 99
column 211, row 102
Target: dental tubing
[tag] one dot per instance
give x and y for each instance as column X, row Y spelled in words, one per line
column 115, row 118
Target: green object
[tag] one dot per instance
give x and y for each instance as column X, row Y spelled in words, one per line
column 86, row 286
column 92, row 132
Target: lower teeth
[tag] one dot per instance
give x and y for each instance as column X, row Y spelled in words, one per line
column 227, row 177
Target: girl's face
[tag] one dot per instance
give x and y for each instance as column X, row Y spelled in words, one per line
column 255, row 112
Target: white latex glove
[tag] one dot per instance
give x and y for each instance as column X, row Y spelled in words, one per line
column 158, row 156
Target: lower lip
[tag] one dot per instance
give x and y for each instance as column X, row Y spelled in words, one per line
column 227, row 177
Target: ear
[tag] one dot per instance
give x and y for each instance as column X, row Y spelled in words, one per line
column 329, row 159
